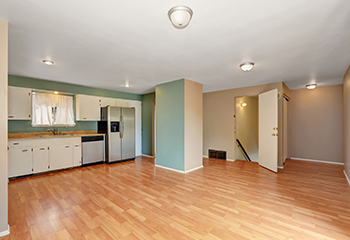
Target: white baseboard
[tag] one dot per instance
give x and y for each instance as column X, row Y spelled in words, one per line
column 6, row 232
column 312, row 160
column 346, row 176
column 231, row 160
column 281, row 167
column 179, row 171
column 193, row 169
column 205, row 156
column 147, row 156
column 170, row 169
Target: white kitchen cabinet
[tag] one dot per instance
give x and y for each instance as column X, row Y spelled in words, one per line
column 107, row 102
column 122, row 103
column 19, row 103
column 87, row 108
column 19, row 160
column 41, row 159
column 77, row 155
column 61, row 156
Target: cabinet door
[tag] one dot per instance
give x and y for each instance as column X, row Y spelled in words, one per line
column 77, row 155
column 40, row 159
column 61, row 156
column 122, row 103
column 107, row 102
column 19, row 161
column 19, row 103
column 87, row 108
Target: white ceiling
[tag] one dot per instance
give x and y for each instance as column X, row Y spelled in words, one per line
column 108, row 42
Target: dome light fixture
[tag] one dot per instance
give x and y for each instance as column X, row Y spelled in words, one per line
column 48, row 62
column 247, row 66
column 311, row 86
column 180, row 16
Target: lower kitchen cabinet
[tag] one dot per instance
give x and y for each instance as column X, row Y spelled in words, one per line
column 42, row 155
column 77, row 155
column 20, row 161
column 61, row 156
column 41, row 159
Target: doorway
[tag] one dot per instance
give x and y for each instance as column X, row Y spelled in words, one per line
column 247, row 128
column 257, row 129
column 154, row 133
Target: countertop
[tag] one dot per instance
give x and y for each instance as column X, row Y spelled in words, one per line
column 45, row 135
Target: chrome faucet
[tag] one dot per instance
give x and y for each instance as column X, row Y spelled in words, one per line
column 55, row 131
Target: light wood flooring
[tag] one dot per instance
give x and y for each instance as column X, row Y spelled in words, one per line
column 223, row 200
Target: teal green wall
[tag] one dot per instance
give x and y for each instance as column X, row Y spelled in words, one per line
column 170, row 132
column 15, row 126
column 147, row 123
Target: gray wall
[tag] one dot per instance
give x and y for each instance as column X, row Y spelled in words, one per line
column 3, row 126
column 347, row 122
column 317, row 123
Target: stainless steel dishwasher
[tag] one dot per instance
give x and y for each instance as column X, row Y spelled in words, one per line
column 93, row 149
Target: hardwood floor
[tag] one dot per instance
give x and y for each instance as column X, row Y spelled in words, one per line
column 223, row 200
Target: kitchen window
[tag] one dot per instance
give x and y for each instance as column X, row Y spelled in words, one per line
column 52, row 110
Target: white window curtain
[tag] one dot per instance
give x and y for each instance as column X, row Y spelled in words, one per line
column 52, row 110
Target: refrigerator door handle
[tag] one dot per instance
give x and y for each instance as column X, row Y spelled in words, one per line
column 121, row 132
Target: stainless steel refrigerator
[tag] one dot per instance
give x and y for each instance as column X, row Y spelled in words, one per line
column 119, row 126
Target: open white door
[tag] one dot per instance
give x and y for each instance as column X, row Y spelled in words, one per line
column 268, row 130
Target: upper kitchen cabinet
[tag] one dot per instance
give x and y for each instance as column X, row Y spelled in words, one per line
column 19, row 103
column 107, row 102
column 122, row 103
column 87, row 108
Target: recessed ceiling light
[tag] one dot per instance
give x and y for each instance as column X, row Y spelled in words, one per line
column 180, row 16
column 55, row 92
column 247, row 66
column 48, row 62
column 127, row 85
column 311, row 86
column 244, row 104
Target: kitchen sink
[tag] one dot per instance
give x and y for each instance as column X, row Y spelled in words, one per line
column 56, row 136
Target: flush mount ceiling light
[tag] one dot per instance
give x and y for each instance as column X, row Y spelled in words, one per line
column 244, row 104
column 126, row 85
column 55, row 92
column 180, row 16
column 311, row 86
column 48, row 62
column 247, row 66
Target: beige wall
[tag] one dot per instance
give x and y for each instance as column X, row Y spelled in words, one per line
column 247, row 123
column 317, row 123
column 193, row 125
column 218, row 121
column 347, row 122
column 3, row 128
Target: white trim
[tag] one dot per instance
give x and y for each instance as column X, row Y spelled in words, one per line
column 205, row 156
column 169, row 168
column 6, row 232
column 231, row 160
column 312, row 160
column 193, row 169
column 281, row 167
column 147, row 156
column 346, row 175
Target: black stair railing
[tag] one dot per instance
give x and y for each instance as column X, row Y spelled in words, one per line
column 244, row 151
